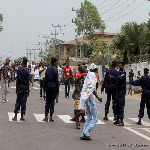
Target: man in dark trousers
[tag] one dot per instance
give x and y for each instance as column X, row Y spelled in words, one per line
column 144, row 82
column 111, row 90
column 22, row 90
column 120, row 94
column 52, row 89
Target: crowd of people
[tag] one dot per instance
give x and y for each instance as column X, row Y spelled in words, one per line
column 86, row 85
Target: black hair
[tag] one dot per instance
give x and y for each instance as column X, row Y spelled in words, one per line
column 53, row 60
column 25, row 60
column 113, row 63
column 122, row 63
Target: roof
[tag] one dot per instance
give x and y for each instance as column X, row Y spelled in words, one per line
column 105, row 33
column 78, row 59
column 109, row 40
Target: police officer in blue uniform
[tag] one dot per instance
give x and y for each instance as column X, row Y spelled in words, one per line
column 111, row 90
column 22, row 90
column 144, row 82
column 120, row 94
column 52, row 89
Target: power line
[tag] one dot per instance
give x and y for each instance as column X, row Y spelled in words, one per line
column 111, row 7
column 101, row 3
column 127, row 13
column 121, row 10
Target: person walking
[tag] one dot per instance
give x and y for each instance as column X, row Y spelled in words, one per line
column 111, row 90
column 131, row 75
column 22, row 90
column 144, row 82
column 5, row 68
column 67, row 75
column 42, row 80
column 52, row 89
column 59, row 79
column 32, row 73
column 87, row 98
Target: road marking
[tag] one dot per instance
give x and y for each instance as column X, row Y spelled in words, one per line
column 11, row 115
column 36, row 88
column 145, row 129
column 13, row 87
column 143, row 122
column 137, row 133
column 125, row 123
column 98, row 122
column 64, row 90
column 39, row 117
column 65, row 118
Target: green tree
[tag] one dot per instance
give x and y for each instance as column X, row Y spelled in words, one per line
column 1, row 20
column 133, row 40
column 88, row 19
column 100, row 52
column 54, row 46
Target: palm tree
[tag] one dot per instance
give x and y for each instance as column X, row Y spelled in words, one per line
column 133, row 40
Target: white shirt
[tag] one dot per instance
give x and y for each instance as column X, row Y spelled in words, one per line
column 32, row 69
column 89, row 87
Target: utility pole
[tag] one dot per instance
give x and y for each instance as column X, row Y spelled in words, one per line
column 30, row 54
column 77, row 36
column 55, row 34
column 34, row 52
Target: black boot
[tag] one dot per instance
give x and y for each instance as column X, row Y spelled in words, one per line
column 139, row 122
column 51, row 118
column 22, row 119
column 121, row 123
column 117, row 121
column 105, row 118
column 46, row 117
column 15, row 118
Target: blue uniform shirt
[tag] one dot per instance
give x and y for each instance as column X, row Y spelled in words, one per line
column 121, row 82
column 110, row 83
column 51, row 78
column 144, row 82
column 23, row 78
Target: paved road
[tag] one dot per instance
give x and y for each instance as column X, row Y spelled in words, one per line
column 36, row 135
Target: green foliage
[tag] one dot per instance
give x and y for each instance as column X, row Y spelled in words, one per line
column 88, row 19
column 20, row 59
column 100, row 52
column 50, row 51
column 133, row 40
column 1, row 20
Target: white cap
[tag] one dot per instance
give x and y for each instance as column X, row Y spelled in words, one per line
column 93, row 66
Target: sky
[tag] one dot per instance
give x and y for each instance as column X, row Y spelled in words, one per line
column 25, row 20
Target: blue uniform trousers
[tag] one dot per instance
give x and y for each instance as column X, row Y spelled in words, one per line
column 145, row 99
column 21, row 101
column 120, row 105
column 111, row 93
column 50, row 99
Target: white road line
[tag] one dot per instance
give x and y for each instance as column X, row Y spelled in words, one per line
column 13, row 87
column 145, row 129
column 36, row 88
column 125, row 123
column 11, row 115
column 65, row 118
column 39, row 117
column 98, row 122
column 137, row 133
column 143, row 122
